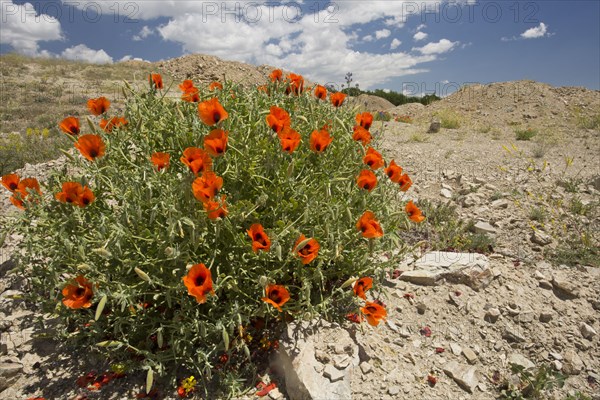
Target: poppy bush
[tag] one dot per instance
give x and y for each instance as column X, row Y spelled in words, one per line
column 174, row 233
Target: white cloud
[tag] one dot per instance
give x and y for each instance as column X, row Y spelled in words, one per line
column 83, row 53
column 443, row 46
column 532, row 33
column 143, row 34
column 22, row 28
column 368, row 38
column 420, row 27
column 129, row 57
column 420, row 36
column 537, row 32
column 382, row 34
column 395, row 43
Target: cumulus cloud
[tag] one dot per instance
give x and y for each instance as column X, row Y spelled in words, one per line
column 395, row 44
column 23, row 28
column 382, row 34
column 420, row 36
column 368, row 38
column 537, row 32
column 443, row 46
column 143, row 34
column 83, row 53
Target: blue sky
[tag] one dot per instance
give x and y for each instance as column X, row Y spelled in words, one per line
column 416, row 46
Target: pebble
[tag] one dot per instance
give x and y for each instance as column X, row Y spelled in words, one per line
column 455, row 348
column 469, row 355
column 492, row 315
column 421, row 307
column 587, row 331
column 546, row 316
column 394, row 390
column 365, row 367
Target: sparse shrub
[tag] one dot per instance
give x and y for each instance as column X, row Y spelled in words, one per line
column 160, row 271
column 532, row 384
column 485, row 128
column 418, row 138
column 35, row 146
column 538, row 214
column 449, row 119
column 525, row 134
column 586, row 121
column 382, row 116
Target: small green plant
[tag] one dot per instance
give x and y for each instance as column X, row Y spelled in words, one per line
column 586, row 121
column 497, row 195
column 382, row 116
column 525, row 134
column 418, row 138
column 532, row 384
column 485, row 128
column 448, row 119
column 538, row 214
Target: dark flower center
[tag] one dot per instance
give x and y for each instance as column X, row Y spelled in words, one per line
column 306, row 250
column 199, row 281
column 318, row 146
column 216, row 116
column 13, row 186
column 275, row 296
column 79, row 292
column 93, row 153
column 85, row 201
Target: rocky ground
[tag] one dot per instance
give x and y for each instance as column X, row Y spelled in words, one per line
column 458, row 320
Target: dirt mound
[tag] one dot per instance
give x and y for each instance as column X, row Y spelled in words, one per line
column 518, row 102
column 204, row 68
column 370, row 103
column 407, row 109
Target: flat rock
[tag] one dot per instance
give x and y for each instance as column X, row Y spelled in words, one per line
column 305, row 377
column 446, row 193
column 587, row 331
column 466, row 376
column 572, row 364
column 485, row 228
column 518, row 359
column 470, row 269
column 564, row 287
column 9, row 372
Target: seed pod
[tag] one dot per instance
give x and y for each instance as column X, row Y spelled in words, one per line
column 144, row 276
column 102, row 252
column 225, row 339
column 159, row 339
column 100, row 307
column 149, row 380
column 247, row 352
column 278, row 251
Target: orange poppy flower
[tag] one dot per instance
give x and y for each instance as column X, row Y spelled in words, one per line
column 366, row 180
column 296, row 84
column 196, row 159
column 373, row 159
column 373, row 312
column 278, row 119
column 369, row 226
column 11, row 182
column 212, row 112
column 156, row 81
column 71, row 191
column 260, row 240
column 337, row 99
column 289, row 139
column 90, row 146
column 186, row 85
column 198, row 282
column 263, row 88
column 98, row 106
column 276, row 295
column 276, row 75
column 365, row 120
column 114, row 122
column 22, row 191
column 405, row 182
column 160, row 160
column 413, row 212
column 361, row 286
column 191, row 95
column 207, row 186
column 320, row 140
column 361, row 135
column 308, row 251
column 87, row 197
column 216, row 209
column 394, row 171
column 70, row 125
column 215, row 85
column 216, row 142
column 321, row 92
column 78, row 294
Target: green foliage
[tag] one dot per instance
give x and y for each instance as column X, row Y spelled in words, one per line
column 538, row 214
column 382, row 116
column 35, row 146
column 448, row 119
column 145, row 228
column 532, row 384
column 447, row 232
column 525, row 134
column 578, row 396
